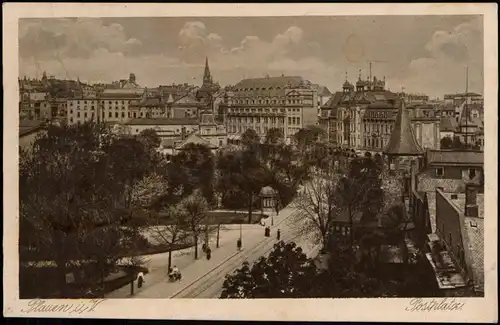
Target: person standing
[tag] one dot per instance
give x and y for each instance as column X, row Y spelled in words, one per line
column 209, row 253
column 140, row 280
column 278, row 234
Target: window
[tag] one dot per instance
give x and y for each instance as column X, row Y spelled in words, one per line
column 440, row 172
column 85, row 115
column 77, row 114
column 110, row 114
column 123, row 114
column 472, row 173
column 116, row 114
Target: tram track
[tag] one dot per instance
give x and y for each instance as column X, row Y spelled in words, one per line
column 203, row 283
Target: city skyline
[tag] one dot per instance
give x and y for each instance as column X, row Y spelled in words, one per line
column 321, row 49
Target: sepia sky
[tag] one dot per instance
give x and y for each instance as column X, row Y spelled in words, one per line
column 425, row 54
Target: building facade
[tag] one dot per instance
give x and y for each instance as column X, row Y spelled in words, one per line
column 362, row 116
column 286, row 103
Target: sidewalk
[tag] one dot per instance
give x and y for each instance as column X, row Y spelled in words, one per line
column 156, row 282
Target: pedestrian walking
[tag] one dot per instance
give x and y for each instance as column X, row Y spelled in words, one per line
column 140, row 279
column 209, row 253
column 278, row 234
column 238, row 244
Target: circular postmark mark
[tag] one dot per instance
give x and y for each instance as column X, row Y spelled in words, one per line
column 354, row 49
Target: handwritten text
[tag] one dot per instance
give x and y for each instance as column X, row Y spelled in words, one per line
column 43, row 306
column 445, row 304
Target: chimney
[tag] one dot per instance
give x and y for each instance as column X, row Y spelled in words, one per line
column 471, row 208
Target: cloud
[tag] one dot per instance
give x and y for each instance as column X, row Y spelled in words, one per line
column 81, row 37
column 95, row 52
column 448, row 53
column 195, row 41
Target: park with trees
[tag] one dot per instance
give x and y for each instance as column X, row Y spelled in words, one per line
column 92, row 199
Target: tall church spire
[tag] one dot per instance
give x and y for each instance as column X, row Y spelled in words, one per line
column 207, row 78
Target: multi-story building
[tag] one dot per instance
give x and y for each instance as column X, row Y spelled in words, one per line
column 35, row 106
column 324, row 95
column 363, row 116
column 83, row 110
column 427, row 124
column 448, row 230
column 286, row 103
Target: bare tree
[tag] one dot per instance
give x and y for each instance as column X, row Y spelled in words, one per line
column 170, row 227
column 195, row 207
column 318, row 206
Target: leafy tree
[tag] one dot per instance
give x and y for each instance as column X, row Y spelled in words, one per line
column 285, row 273
column 361, row 191
column 274, row 136
column 150, row 139
column 307, row 137
column 250, row 140
column 147, row 192
column 128, row 161
column 69, row 211
column 228, row 168
column 250, row 178
column 341, row 279
column 193, row 168
column 194, row 208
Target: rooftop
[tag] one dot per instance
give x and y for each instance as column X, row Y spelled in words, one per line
column 448, row 124
column 403, row 141
column 162, row 121
column 197, row 140
column 455, row 157
column 322, row 90
column 427, row 183
column 374, row 99
column 122, row 92
column 268, row 83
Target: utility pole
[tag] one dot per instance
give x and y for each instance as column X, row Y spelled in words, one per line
column 218, row 230
column 466, row 105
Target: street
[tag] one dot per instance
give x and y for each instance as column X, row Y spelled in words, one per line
column 204, row 278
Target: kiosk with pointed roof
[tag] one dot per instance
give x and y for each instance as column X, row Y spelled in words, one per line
column 403, row 143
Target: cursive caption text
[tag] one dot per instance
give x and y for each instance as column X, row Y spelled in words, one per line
column 43, row 306
column 445, row 304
